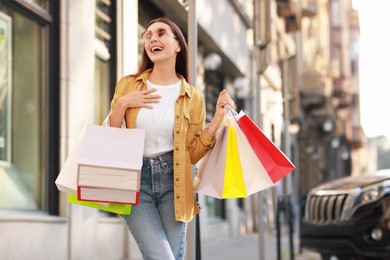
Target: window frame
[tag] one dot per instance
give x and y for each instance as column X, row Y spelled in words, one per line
column 109, row 53
column 51, row 118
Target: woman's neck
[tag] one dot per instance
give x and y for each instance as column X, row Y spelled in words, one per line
column 163, row 76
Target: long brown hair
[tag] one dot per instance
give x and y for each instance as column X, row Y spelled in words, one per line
column 181, row 66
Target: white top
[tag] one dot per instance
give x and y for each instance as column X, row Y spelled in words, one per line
column 159, row 121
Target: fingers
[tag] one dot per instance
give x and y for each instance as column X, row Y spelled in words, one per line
column 155, row 100
column 146, row 105
column 141, row 98
column 148, row 98
column 225, row 99
column 148, row 91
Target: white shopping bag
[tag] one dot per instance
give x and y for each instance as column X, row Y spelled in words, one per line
column 67, row 179
column 111, row 157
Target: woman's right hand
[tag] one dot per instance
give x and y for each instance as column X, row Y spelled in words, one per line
column 139, row 98
column 136, row 98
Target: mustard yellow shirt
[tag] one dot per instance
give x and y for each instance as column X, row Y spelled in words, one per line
column 190, row 140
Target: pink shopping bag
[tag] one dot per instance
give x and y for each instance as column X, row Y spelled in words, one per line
column 210, row 175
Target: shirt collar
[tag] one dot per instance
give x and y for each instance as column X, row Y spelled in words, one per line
column 185, row 90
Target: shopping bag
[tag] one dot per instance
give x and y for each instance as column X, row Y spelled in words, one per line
column 220, row 174
column 109, row 166
column 67, row 178
column 232, row 168
column 111, row 158
column 233, row 183
column 124, row 209
column 67, row 182
column 210, row 175
column 255, row 176
column 272, row 158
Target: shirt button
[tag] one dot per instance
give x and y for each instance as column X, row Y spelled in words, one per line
column 177, row 116
column 177, row 132
column 177, row 164
column 177, row 179
column 177, row 148
column 177, row 197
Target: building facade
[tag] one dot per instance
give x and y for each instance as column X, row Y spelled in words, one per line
column 63, row 61
column 60, row 61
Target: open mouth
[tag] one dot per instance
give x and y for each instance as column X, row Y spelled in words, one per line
column 156, row 49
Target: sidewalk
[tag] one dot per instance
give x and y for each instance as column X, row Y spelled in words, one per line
column 246, row 247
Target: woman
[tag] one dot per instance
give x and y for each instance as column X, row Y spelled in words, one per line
column 159, row 100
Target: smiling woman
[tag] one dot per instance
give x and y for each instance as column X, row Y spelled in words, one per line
column 159, row 99
column 374, row 57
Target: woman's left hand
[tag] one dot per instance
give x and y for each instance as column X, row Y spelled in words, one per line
column 224, row 99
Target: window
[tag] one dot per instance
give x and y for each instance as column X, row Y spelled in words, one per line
column 105, row 72
column 103, row 21
column 28, row 163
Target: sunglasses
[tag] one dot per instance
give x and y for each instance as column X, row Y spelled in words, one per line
column 161, row 33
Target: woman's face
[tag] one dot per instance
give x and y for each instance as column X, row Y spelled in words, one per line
column 160, row 43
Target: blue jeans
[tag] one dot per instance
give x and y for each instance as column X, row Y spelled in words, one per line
column 152, row 222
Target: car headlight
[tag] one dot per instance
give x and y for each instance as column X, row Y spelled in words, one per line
column 360, row 197
column 369, row 194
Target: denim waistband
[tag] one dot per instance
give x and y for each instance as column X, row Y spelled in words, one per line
column 161, row 156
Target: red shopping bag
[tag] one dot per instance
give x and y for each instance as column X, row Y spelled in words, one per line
column 273, row 159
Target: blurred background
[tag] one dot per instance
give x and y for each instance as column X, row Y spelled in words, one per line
column 310, row 73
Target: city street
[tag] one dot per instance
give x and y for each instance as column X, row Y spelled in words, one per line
column 247, row 247
column 304, row 79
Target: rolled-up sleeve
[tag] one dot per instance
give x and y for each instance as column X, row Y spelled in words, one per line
column 106, row 122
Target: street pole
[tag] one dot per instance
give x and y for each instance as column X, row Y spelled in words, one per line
column 262, row 34
column 287, row 149
column 286, row 122
column 192, row 41
column 193, row 231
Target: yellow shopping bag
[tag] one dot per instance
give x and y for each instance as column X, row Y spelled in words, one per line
column 220, row 174
column 233, row 183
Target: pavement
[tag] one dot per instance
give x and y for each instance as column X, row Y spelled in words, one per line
column 246, row 247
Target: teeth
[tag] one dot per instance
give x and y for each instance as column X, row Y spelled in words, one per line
column 156, row 49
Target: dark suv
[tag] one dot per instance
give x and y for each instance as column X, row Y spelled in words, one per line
column 349, row 218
